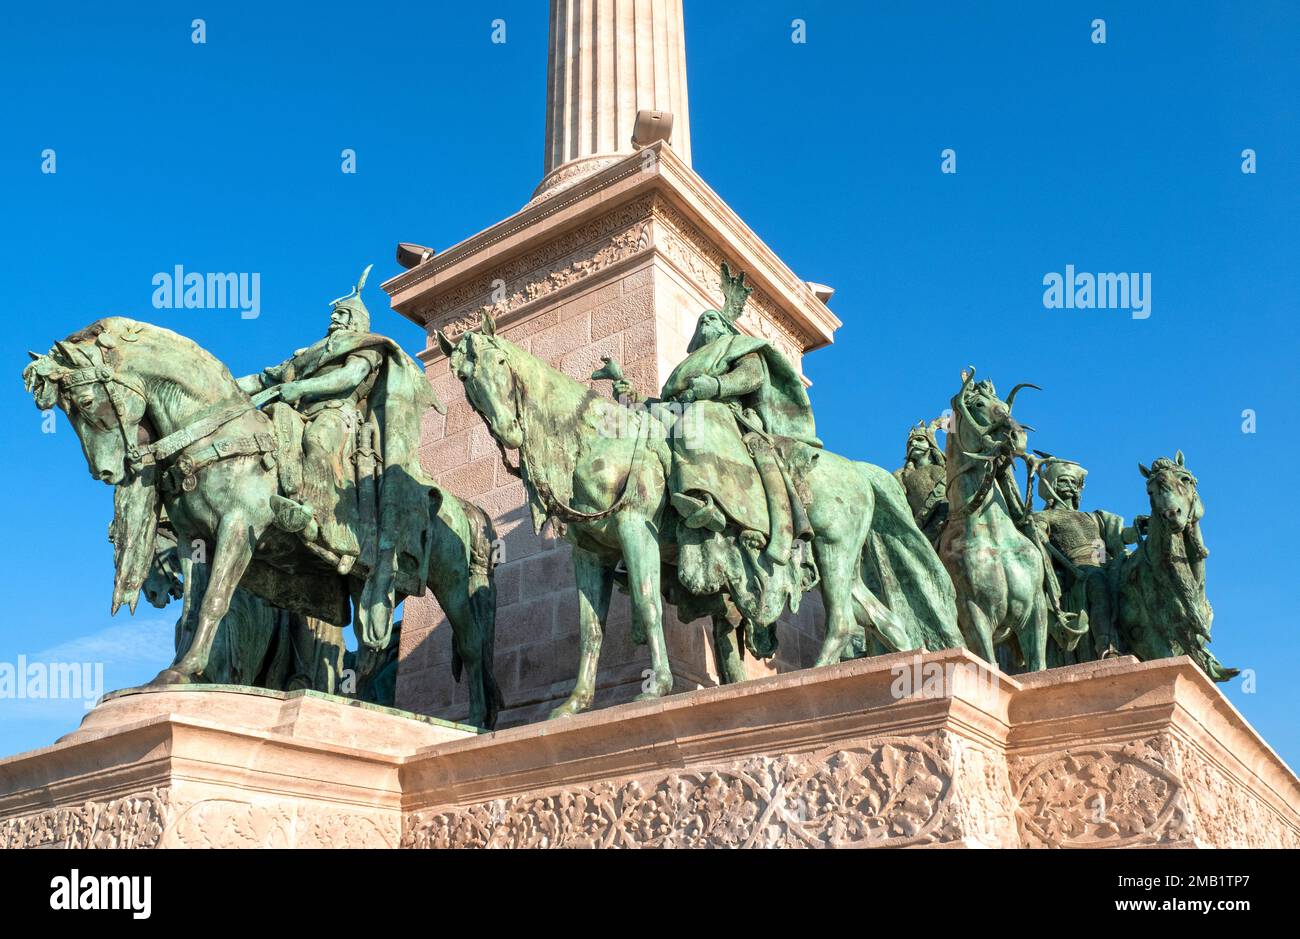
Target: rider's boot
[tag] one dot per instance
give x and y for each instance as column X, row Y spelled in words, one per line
column 699, row 513
column 295, row 517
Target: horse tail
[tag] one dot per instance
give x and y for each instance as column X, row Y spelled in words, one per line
column 901, row 567
column 483, row 605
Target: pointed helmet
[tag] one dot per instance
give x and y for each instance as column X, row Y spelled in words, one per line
column 359, row 320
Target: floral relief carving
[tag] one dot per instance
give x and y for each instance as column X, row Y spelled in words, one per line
column 983, row 811
column 229, row 823
column 136, row 821
column 1112, row 795
column 886, row 792
column 590, row 249
column 152, row 820
column 1227, row 813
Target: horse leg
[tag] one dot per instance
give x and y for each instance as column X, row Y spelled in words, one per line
column 641, row 555
column 595, row 583
column 233, row 551
column 874, row 615
column 1033, row 638
column 839, row 569
column 977, row 629
column 469, row 646
column 726, row 646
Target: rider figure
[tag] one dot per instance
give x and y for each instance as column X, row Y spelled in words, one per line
column 327, row 383
column 924, row 480
column 768, row 399
column 1083, row 545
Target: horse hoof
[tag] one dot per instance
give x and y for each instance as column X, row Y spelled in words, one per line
column 653, row 694
column 170, row 676
column 569, row 708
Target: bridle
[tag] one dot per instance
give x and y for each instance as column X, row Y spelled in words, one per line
column 106, row 375
column 160, row 452
column 993, row 468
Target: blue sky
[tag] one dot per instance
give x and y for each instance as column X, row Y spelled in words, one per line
column 1117, row 157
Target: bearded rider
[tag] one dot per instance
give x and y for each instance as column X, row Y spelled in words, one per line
column 924, row 480
column 1082, row 545
column 327, row 383
column 769, row 402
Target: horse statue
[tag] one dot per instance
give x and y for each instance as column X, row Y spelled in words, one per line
column 604, row 470
column 1162, row 609
column 1004, row 589
column 164, row 421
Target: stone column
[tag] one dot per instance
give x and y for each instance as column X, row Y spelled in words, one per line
column 608, row 60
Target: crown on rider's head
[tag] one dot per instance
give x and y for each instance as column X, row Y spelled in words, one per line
column 734, row 292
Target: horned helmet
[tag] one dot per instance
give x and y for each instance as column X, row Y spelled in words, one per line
column 921, row 442
column 349, row 312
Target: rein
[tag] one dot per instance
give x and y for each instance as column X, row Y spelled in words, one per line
column 163, row 449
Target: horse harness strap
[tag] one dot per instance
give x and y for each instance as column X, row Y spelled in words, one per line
column 107, row 376
column 184, row 475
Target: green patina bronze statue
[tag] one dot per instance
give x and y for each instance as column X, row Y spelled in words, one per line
column 1005, row 589
column 1082, row 545
column 319, row 507
column 721, row 479
column 1162, row 608
column 925, row 480
column 301, row 487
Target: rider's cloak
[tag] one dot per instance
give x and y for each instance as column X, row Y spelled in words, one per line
column 400, row 396
column 782, row 403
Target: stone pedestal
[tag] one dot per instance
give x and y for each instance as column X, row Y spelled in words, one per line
column 898, row 751
column 217, row 766
column 620, row 264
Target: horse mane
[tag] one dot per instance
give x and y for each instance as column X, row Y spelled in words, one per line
column 555, row 451
column 115, row 334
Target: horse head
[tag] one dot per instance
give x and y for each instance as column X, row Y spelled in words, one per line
column 81, row 375
column 983, row 425
column 1173, row 493
column 483, row 363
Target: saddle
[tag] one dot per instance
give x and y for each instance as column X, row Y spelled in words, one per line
column 741, row 494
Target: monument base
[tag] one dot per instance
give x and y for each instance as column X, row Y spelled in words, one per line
column 935, row 750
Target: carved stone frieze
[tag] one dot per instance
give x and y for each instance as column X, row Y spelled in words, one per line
column 692, row 251
column 228, row 823
column 136, row 821
column 595, row 247
column 588, row 250
column 153, row 819
column 1227, row 814
column 886, row 792
column 1110, row 795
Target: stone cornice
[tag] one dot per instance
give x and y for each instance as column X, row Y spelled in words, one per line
column 655, row 170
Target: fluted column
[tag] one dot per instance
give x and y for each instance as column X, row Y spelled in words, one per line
column 608, row 60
